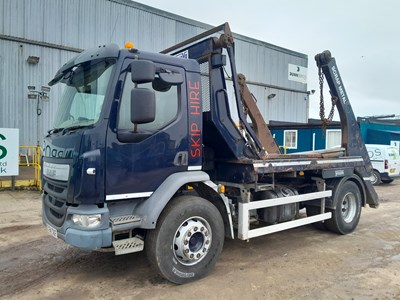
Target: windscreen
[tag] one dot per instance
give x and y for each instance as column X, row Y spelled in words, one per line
column 84, row 94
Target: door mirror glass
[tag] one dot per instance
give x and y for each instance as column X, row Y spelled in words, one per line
column 143, row 106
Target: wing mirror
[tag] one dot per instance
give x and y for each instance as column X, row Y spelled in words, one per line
column 143, row 106
column 143, row 71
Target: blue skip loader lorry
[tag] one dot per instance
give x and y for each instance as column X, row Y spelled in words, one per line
column 145, row 155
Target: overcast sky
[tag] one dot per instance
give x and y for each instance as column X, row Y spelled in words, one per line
column 363, row 36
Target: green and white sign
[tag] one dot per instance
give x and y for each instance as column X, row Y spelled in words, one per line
column 9, row 144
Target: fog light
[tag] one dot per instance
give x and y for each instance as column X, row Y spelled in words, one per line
column 86, row 220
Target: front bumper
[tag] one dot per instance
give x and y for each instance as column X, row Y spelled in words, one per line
column 88, row 240
column 80, row 237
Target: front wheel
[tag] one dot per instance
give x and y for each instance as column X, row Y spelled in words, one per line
column 347, row 214
column 187, row 241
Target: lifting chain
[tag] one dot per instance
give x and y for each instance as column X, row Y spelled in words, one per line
column 325, row 121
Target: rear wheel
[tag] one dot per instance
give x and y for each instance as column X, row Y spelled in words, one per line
column 187, row 241
column 347, row 214
column 376, row 177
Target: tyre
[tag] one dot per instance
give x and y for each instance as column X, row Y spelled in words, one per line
column 187, row 241
column 312, row 211
column 346, row 216
column 376, row 178
column 387, row 180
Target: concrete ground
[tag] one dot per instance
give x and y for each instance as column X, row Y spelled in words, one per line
column 302, row 263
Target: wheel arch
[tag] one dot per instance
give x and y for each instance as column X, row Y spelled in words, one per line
column 151, row 209
column 209, row 190
column 335, row 185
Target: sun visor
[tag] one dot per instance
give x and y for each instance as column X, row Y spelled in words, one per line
column 105, row 51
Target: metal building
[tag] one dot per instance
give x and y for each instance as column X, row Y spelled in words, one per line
column 37, row 37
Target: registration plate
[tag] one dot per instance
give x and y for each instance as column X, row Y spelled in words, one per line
column 52, row 230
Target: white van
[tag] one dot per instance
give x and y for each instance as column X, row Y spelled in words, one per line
column 385, row 160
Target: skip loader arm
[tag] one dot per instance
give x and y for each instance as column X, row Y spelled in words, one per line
column 202, row 49
column 260, row 127
column 351, row 136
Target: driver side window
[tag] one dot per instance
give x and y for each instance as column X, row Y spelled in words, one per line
column 166, row 106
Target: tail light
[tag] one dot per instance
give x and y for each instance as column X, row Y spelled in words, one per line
column 386, row 164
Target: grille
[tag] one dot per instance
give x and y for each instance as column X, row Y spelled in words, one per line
column 54, row 203
column 55, row 188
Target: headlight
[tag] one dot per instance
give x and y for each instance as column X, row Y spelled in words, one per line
column 86, row 220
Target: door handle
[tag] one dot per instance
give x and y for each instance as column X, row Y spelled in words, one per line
column 181, row 159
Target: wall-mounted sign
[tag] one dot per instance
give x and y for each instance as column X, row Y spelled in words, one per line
column 9, row 144
column 184, row 54
column 297, row 73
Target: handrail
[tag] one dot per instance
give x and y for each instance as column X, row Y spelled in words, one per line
column 32, row 156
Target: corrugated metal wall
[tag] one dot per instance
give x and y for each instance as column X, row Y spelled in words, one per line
column 55, row 30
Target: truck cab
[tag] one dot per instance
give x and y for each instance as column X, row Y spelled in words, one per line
column 119, row 134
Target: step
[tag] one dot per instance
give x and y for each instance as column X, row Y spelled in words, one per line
column 130, row 245
column 124, row 219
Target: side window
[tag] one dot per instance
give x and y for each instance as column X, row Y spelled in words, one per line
column 290, row 139
column 166, row 106
column 333, row 138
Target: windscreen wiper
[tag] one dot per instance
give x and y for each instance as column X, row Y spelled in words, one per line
column 54, row 130
column 73, row 128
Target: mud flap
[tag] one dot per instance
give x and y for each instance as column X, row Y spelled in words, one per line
column 371, row 195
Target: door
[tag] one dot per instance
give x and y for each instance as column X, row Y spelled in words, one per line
column 140, row 157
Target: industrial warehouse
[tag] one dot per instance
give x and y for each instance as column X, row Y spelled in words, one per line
column 33, row 48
